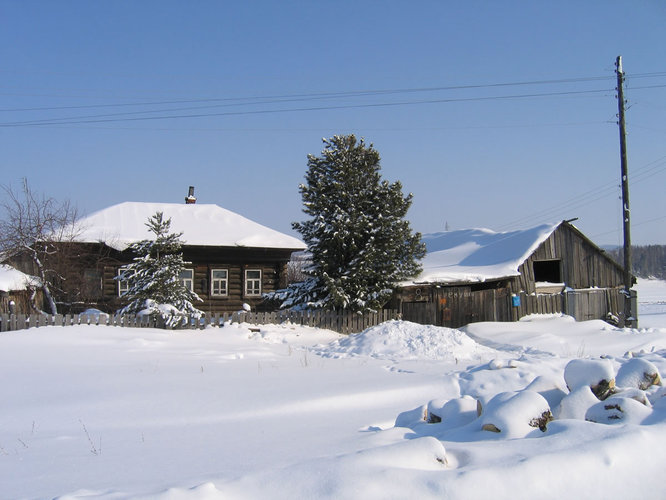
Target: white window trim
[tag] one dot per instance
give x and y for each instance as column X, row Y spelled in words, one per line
column 188, row 282
column 123, row 285
column 246, row 289
column 225, row 291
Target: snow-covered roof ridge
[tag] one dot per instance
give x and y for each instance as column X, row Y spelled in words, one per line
column 120, row 225
column 471, row 255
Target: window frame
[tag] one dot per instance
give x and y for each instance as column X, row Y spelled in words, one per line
column 255, row 291
column 213, row 280
column 93, row 283
column 184, row 281
column 123, row 285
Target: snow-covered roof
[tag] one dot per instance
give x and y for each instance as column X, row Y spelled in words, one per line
column 12, row 279
column 201, row 224
column 471, row 255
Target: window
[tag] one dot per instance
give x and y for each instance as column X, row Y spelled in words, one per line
column 186, row 277
column 253, row 282
column 123, row 285
column 547, row 271
column 92, row 284
column 219, row 282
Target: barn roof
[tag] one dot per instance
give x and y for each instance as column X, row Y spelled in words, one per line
column 473, row 255
column 201, row 224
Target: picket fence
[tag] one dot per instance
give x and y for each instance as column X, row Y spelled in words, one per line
column 341, row 322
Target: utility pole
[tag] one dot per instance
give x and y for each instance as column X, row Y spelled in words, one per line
column 629, row 300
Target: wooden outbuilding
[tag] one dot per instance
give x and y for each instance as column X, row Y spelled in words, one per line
column 480, row 275
column 19, row 292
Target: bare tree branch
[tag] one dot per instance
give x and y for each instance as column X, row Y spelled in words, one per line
column 32, row 228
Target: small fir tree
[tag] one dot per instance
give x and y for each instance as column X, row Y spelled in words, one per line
column 360, row 243
column 154, row 276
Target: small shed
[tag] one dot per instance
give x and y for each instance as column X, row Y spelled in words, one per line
column 481, row 275
column 17, row 291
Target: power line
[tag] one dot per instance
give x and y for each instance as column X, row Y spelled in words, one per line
column 306, row 96
column 354, row 93
column 590, row 196
column 641, row 223
column 334, row 94
column 285, row 98
column 648, row 87
column 327, row 128
column 102, row 119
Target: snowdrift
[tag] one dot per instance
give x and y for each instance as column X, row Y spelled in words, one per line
column 405, row 340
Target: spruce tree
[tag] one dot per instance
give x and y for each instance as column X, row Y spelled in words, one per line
column 360, row 242
column 154, row 276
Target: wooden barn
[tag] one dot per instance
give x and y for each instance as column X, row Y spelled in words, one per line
column 480, row 275
column 233, row 260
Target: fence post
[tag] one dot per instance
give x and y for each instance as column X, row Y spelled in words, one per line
column 570, row 303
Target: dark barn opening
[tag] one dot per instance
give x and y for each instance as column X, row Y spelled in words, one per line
column 547, row 270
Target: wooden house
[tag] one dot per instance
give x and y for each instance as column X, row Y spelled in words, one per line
column 480, row 275
column 232, row 260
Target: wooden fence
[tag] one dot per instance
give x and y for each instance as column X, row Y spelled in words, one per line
column 583, row 305
column 341, row 322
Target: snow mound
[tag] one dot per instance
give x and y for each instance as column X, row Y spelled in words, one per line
column 618, row 410
column 424, row 453
column 639, row 373
column 598, row 374
column 516, row 415
column 405, row 340
column 576, row 403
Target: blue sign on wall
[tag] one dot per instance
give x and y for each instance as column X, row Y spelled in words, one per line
column 515, row 300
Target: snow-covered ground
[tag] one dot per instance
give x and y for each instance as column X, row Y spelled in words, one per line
column 290, row 412
column 651, row 303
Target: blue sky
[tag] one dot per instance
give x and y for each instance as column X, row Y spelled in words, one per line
column 266, row 81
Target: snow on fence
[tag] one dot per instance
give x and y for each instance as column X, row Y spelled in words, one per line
column 341, row 322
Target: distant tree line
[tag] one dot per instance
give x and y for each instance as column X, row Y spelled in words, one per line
column 647, row 261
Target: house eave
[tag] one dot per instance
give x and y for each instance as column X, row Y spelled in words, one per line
column 459, row 282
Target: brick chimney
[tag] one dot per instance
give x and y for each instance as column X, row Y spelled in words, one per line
column 190, row 199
